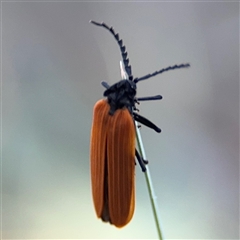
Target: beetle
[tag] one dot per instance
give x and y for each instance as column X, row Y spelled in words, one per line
column 112, row 143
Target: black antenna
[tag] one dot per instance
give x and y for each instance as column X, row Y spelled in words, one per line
column 122, row 47
column 161, row 71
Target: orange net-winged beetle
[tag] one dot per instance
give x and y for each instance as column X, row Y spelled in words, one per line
column 112, row 145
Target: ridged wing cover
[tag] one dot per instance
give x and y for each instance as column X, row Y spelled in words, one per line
column 98, row 153
column 121, row 167
column 112, row 154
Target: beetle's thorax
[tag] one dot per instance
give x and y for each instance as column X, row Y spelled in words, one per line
column 121, row 95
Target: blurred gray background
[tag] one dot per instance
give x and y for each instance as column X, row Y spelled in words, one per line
column 53, row 61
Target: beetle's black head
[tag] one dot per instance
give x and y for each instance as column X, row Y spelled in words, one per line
column 120, row 95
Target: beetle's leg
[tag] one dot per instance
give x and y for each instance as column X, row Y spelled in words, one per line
column 146, row 122
column 135, row 109
column 105, row 84
column 145, row 161
column 137, row 153
column 141, row 161
column 157, row 97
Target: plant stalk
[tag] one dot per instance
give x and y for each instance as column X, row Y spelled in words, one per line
column 153, row 197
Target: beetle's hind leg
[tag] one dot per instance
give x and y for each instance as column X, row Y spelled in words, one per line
column 141, row 161
column 145, row 122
